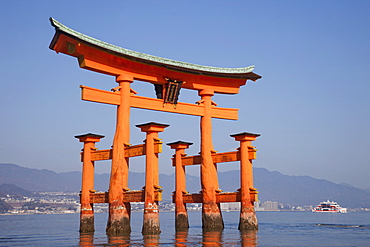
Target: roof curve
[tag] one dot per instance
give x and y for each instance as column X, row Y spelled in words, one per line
column 239, row 72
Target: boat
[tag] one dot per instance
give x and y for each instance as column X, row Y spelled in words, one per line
column 329, row 207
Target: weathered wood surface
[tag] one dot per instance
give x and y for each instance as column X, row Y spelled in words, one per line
column 217, row 158
column 128, row 196
column 132, row 151
column 220, row 197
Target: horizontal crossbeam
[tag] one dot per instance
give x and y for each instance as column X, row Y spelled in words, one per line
column 128, row 196
column 217, row 158
column 113, row 98
column 220, row 197
column 132, row 151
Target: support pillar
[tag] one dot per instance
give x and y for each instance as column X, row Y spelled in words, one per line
column 211, row 212
column 119, row 212
column 181, row 214
column 87, row 186
column 151, row 224
column 248, row 219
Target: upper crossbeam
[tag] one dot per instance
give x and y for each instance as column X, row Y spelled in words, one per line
column 107, row 97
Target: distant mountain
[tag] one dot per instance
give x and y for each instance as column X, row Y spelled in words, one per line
column 36, row 180
column 15, row 191
column 272, row 186
column 300, row 190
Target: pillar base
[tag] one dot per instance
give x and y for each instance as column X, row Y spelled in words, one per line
column 118, row 221
column 119, row 227
column 212, row 218
column 151, row 226
column 87, row 225
column 181, row 222
column 248, row 221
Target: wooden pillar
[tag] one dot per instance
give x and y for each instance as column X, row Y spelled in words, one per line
column 119, row 212
column 211, row 212
column 151, row 224
column 248, row 219
column 181, row 214
column 87, row 186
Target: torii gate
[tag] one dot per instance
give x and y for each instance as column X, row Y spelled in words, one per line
column 168, row 76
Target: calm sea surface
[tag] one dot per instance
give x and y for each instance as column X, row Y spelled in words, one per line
column 276, row 229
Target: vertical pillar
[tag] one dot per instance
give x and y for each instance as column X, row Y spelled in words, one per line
column 87, row 186
column 151, row 210
column 119, row 212
column 248, row 219
column 211, row 212
column 181, row 214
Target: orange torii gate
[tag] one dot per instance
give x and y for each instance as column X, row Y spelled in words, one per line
column 246, row 194
column 168, row 77
column 150, row 196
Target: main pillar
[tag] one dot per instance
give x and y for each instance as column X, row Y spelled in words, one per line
column 181, row 214
column 119, row 212
column 151, row 224
column 87, row 210
column 248, row 219
column 211, row 212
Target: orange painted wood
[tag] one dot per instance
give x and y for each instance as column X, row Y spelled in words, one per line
column 246, row 179
column 105, row 154
column 217, row 157
column 128, row 196
column 100, row 96
column 98, row 60
column 220, row 197
column 208, row 179
column 90, row 64
column 132, row 151
column 149, row 168
column 87, row 176
column 149, row 73
column 182, row 108
column 107, row 97
column 118, row 211
column 189, row 160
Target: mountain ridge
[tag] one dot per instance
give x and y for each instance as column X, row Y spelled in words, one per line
column 271, row 185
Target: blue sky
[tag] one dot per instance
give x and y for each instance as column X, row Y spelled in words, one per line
column 312, row 106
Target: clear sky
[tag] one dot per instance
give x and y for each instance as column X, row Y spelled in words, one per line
column 312, row 106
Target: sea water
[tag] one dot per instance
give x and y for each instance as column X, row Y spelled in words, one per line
column 275, row 229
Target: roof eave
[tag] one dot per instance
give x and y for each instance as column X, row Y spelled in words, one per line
column 240, row 73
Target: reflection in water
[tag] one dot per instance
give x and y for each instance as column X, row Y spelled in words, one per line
column 120, row 240
column 181, row 238
column 151, row 240
column 86, row 239
column 212, row 238
column 249, row 238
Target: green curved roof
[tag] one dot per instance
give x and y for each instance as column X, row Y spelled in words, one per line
column 146, row 57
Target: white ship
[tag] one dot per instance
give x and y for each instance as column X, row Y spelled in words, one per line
column 329, row 207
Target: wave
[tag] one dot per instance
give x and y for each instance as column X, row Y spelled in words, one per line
column 342, row 225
